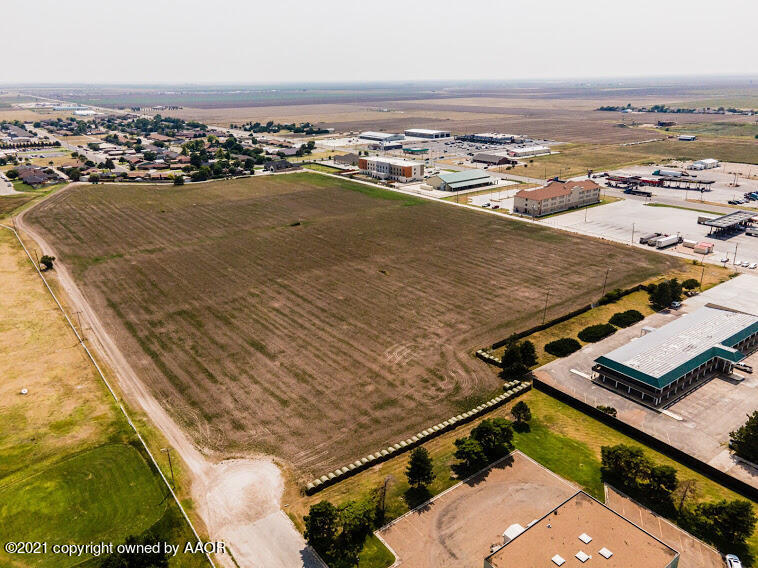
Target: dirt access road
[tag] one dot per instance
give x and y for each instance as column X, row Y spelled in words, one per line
column 238, row 500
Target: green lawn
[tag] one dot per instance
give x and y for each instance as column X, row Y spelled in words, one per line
column 322, row 168
column 375, row 554
column 106, row 493
column 682, row 207
column 9, row 203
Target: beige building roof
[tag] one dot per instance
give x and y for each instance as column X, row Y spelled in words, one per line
column 553, row 189
column 584, row 532
column 556, row 189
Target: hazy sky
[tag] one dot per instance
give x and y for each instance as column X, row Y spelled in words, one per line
column 355, row 40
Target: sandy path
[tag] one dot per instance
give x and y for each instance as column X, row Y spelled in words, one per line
column 238, row 500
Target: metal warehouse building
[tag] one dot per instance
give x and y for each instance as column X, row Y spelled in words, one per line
column 492, row 159
column 457, row 181
column 666, row 364
column 380, row 136
column 426, row 133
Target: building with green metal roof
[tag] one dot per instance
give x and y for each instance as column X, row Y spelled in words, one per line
column 667, row 363
column 457, row 181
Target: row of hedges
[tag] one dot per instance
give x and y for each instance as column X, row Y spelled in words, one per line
column 512, row 389
column 563, row 347
column 595, row 333
column 625, row 319
column 567, row 345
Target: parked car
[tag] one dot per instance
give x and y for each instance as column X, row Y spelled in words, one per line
column 676, row 305
column 743, row 367
column 486, row 204
column 745, row 263
column 732, row 561
column 753, row 265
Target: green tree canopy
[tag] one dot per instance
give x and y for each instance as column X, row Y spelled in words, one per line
column 420, row 470
column 744, row 440
column 521, row 412
column 321, row 527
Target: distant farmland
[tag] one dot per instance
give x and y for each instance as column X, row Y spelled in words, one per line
column 310, row 317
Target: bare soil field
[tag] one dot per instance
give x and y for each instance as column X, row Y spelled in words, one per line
column 556, row 115
column 313, row 318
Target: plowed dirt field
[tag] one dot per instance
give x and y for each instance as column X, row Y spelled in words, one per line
column 310, row 317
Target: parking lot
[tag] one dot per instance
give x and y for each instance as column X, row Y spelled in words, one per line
column 627, row 220
column 458, row 527
column 722, row 191
column 700, row 423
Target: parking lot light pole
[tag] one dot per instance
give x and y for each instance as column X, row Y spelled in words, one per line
column 735, row 253
column 632, row 233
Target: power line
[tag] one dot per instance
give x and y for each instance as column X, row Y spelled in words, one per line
column 113, row 393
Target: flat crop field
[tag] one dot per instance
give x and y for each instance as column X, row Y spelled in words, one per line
column 311, row 317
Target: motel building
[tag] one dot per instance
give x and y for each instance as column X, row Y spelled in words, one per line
column 556, row 196
column 395, row 169
column 669, row 362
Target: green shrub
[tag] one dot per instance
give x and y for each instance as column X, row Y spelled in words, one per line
column 563, row 347
column 625, row 319
column 596, row 332
column 611, row 297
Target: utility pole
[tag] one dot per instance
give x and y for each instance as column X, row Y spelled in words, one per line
column 36, row 257
column 167, row 451
column 544, row 312
column 79, row 321
column 605, row 280
column 702, row 274
column 383, row 496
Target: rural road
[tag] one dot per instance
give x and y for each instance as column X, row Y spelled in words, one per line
column 238, row 500
column 6, row 187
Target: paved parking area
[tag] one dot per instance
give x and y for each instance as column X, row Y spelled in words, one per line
column 692, row 552
column 457, row 528
column 723, row 176
column 627, row 220
column 707, row 415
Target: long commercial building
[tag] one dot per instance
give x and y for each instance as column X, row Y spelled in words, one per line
column 581, row 531
column 457, row 181
column 380, row 136
column 556, row 196
column 395, row 169
column 667, row 363
column 491, row 138
column 526, row 151
column 427, row 133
